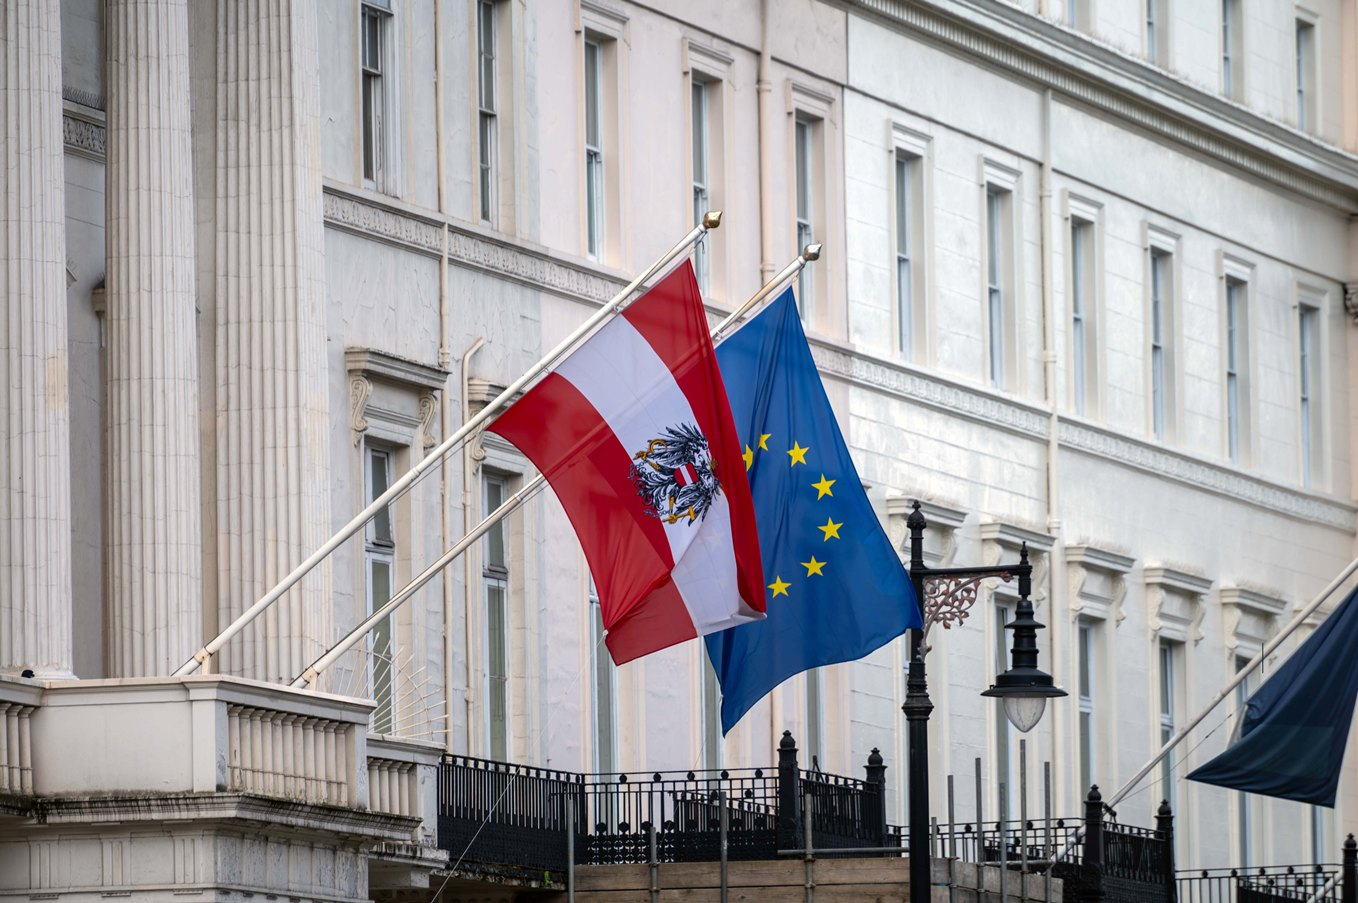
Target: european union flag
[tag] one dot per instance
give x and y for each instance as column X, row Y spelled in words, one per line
column 1294, row 729
column 836, row 589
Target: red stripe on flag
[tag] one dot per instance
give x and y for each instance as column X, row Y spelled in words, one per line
column 660, row 621
column 671, row 317
column 587, row 468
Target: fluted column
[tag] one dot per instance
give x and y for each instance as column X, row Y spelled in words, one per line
column 273, row 467
column 154, row 545
column 35, row 447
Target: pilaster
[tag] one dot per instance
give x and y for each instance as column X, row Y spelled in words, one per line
column 35, row 466
column 272, row 407
column 154, row 524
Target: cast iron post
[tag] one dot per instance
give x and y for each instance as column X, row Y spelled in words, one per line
column 876, row 780
column 789, row 794
column 1093, row 852
column 917, row 709
column 1164, row 829
column 1350, row 888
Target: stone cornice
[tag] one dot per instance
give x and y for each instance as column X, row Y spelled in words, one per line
column 1131, row 90
column 389, row 221
column 82, row 130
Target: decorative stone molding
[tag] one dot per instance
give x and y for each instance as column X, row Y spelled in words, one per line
column 392, row 395
column 1251, row 616
column 1000, row 544
column 940, row 536
column 1174, row 602
column 1200, row 474
column 358, row 214
column 1098, row 582
column 1131, row 91
column 83, row 135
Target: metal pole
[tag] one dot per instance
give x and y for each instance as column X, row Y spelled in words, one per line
column 980, row 822
column 570, row 849
column 724, row 821
column 1235, row 681
column 1023, row 818
column 917, row 709
column 1047, row 819
column 654, row 859
column 711, row 220
column 1004, row 844
column 952, row 844
column 809, row 855
column 309, row 676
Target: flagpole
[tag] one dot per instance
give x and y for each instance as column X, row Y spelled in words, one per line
column 1235, row 681
column 515, row 501
column 711, row 220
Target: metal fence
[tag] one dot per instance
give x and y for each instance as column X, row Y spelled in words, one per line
column 1276, row 884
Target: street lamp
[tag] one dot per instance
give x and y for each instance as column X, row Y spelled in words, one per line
column 946, row 596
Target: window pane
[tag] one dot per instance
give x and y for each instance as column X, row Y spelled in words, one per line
column 486, row 52
column 380, row 644
column 497, row 676
column 495, row 536
column 593, row 84
column 803, row 149
column 379, row 480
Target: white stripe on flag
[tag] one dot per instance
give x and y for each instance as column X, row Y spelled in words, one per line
column 635, row 393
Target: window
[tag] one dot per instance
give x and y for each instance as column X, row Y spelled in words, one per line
column 1243, row 804
column 1232, row 49
column 1157, row 21
column 495, row 582
column 712, row 745
column 1087, row 653
column 998, row 254
column 374, row 25
column 815, row 716
column 1306, row 65
column 488, row 106
column 379, row 551
column 1237, row 374
column 906, row 167
column 1161, row 341
column 1081, row 329
column 1308, row 381
column 702, row 198
column 1169, row 712
column 1077, row 14
column 805, row 174
column 594, row 149
column 604, row 677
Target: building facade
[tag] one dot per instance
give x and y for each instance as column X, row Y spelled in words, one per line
column 1085, row 287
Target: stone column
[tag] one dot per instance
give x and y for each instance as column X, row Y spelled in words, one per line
column 154, row 525
column 273, row 466
column 35, row 445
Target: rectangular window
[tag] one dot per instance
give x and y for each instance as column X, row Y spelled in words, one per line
column 594, row 149
column 1232, row 49
column 604, row 678
column 1306, row 67
column 379, row 550
column 805, row 174
column 1235, row 367
column 1169, row 712
column 1081, row 332
column 495, row 580
column 815, row 716
column 997, row 254
column 1244, row 815
column 905, row 239
column 1162, row 287
column 1308, row 373
column 487, row 106
column 374, row 21
column 1156, row 22
column 702, row 197
column 1088, row 732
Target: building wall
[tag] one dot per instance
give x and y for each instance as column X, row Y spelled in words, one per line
column 1070, row 121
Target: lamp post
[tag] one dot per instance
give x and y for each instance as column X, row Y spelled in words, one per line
column 946, row 596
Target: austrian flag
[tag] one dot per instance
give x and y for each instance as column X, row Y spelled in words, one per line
column 634, row 433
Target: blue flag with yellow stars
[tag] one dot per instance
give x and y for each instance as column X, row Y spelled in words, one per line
column 836, row 588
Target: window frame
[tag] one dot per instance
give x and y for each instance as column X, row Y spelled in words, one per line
column 1232, row 50
column 487, row 113
column 1311, row 390
column 595, row 206
column 1088, row 639
column 807, row 158
column 1155, row 32
column 1000, row 205
column 1162, row 335
column 700, row 168
column 1305, row 72
column 380, row 550
column 1237, row 382
column 1169, row 683
column 911, row 317
column 496, row 576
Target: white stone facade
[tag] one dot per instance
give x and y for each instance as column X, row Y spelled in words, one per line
column 344, row 276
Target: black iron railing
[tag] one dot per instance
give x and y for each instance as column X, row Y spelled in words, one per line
column 1276, row 884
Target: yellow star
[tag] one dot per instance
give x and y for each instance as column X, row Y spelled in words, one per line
column 831, row 529
column 814, row 568
column 749, row 457
column 779, row 587
column 823, row 488
column 798, row 453
column 764, row 441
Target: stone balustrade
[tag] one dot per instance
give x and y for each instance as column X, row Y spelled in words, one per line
column 403, row 780
column 17, row 703
column 284, row 754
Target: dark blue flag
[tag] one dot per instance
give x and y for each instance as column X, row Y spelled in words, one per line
column 1292, row 736
column 836, row 589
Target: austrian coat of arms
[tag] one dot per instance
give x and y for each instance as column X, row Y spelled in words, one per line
column 673, row 474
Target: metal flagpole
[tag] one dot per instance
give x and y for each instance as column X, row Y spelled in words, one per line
column 711, row 220
column 1235, row 681
column 527, row 491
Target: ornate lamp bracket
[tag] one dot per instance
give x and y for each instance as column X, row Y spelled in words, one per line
column 948, row 600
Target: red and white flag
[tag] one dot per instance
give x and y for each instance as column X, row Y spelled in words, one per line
column 634, row 433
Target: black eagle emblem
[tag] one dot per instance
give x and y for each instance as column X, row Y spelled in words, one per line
column 674, row 475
